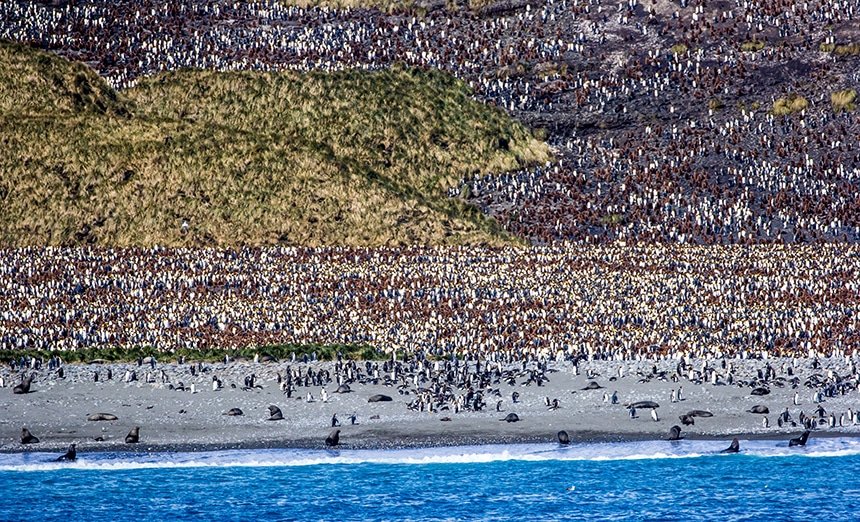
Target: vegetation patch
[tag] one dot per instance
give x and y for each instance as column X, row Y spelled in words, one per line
column 197, row 158
column 679, row 49
column 323, row 352
column 789, row 105
column 843, row 100
column 752, row 46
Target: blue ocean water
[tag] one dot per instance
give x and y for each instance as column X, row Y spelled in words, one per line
column 654, row 480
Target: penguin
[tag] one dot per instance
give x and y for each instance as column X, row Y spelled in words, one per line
column 614, row 398
column 632, row 412
column 764, row 422
column 654, row 415
column 796, row 399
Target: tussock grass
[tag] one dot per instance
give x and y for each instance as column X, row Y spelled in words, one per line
column 679, row 49
column 247, row 158
column 752, row 46
column 843, row 100
column 324, row 352
column 827, row 47
column 789, row 105
column 847, row 50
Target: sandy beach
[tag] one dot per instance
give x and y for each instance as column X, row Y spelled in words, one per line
column 57, row 409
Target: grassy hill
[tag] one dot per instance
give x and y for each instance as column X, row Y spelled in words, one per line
column 247, row 158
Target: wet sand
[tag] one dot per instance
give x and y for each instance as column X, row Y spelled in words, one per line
column 56, row 409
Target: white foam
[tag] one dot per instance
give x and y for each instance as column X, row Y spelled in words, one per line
column 815, row 448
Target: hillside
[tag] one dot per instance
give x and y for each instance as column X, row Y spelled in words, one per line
column 245, row 158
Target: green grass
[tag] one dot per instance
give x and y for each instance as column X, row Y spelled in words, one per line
column 281, row 352
column 247, row 158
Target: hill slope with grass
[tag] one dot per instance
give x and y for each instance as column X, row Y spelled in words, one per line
column 245, row 158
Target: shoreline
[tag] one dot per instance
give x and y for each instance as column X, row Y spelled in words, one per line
column 56, row 409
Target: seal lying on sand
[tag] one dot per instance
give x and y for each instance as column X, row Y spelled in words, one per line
column 734, row 447
column 759, row 409
column 799, row 441
column 333, row 438
column 379, row 398
column 133, row 436
column 511, row 417
column 563, row 437
column 760, row 391
column 675, row 433
column 27, row 437
column 644, row 405
column 70, row 455
column 686, row 420
column 700, row 413
column 275, row 413
column 24, row 387
column 233, row 412
column 592, row 386
column 102, row 417
column 343, row 388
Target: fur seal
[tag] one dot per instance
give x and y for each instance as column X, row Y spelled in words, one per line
column 675, row 433
column 343, row 388
column 70, row 455
column 760, row 391
column 27, row 437
column 699, row 413
column 275, row 413
column 734, row 447
column 511, row 417
column 333, row 438
column 379, row 398
column 592, row 386
column 759, row 409
column 133, row 436
column 645, row 405
column 102, row 417
column 563, row 437
column 233, row 412
column 23, row 387
column 687, row 420
column 799, row 441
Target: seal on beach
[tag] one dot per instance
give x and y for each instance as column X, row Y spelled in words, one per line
column 379, row 398
column 70, row 455
column 511, row 417
column 699, row 413
column 645, row 405
column 686, row 420
column 759, row 409
column 333, row 438
column 799, row 441
column 233, row 412
column 675, row 433
column 102, row 417
column 275, row 413
column 133, row 436
column 343, row 388
column 24, row 386
column 734, row 447
column 563, row 437
column 592, row 386
column 760, row 391
column 27, row 437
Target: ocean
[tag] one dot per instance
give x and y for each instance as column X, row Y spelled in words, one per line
column 654, row 480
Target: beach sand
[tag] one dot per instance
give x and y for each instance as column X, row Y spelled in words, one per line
column 56, row 409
